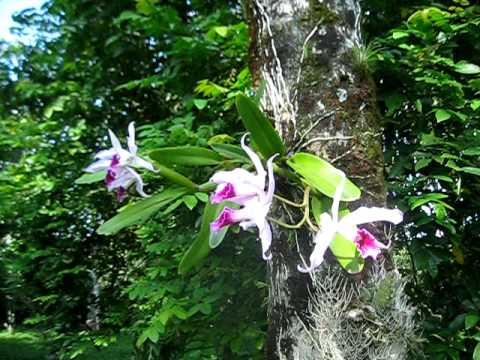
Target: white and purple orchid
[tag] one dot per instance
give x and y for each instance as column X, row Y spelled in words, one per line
column 330, row 226
column 247, row 190
column 119, row 164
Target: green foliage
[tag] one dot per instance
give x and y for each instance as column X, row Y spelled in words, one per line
column 429, row 73
column 322, row 176
column 261, row 130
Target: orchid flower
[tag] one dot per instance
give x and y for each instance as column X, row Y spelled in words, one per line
column 330, row 226
column 119, row 164
column 247, row 190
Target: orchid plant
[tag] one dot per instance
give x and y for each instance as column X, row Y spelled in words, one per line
column 239, row 196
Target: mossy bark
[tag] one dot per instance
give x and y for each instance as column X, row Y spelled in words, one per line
column 313, row 42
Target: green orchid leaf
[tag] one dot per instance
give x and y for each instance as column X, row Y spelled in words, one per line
column 347, row 254
column 200, row 248
column 322, row 176
column 231, row 151
column 261, row 130
column 140, row 211
column 91, row 178
column 186, row 156
column 176, row 177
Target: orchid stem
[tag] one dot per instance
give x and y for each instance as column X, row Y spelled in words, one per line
column 306, row 214
column 291, row 203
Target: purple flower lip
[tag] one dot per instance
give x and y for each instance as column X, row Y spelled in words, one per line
column 367, row 244
column 227, row 192
column 112, row 171
column 225, row 218
column 121, row 194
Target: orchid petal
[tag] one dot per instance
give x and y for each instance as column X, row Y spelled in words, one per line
column 255, row 159
column 139, row 183
column 337, row 197
column 106, row 154
column 115, row 142
column 265, row 235
column 234, row 176
column 363, row 215
column 123, row 178
column 139, row 162
column 322, row 240
column 131, row 139
column 98, row 166
column 271, row 179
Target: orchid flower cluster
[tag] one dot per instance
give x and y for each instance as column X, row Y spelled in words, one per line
column 248, row 191
column 247, row 198
column 119, row 165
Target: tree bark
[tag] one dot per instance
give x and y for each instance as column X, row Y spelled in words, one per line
column 308, row 54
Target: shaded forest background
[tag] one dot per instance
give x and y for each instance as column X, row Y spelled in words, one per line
column 174, row 68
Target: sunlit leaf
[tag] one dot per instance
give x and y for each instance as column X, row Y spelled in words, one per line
column 261, row 130
column 322, row 176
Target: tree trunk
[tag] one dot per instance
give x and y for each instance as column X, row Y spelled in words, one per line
column 310, row 56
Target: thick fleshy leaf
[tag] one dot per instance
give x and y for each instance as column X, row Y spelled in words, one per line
column 201, row 246
column 176, row 177
column 91, row 178
column 216, row 238
column 347, row 254
column 186, row 156
column 322, row 176
column 316, row 208
column 231, row 151
column 261, row 130
column 140, row 211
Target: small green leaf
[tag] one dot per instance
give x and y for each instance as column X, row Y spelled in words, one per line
column 464, row 67
column 347, row 254
column 200, row 103
column 399, row 34
column 471, row 320
column 91, row 178
column 260, row 128
column 418, row 105
column 473, row 151
column 202, row 196
column 321, row 175
column 186, row 156
column 420, row 164
column 140, row 211
column 190, row 201
column 221, row 30
column 393, row 101
column 476, row 352
column 416, row 201
column 475, row 104
column 442, row 115
column 471, row 170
